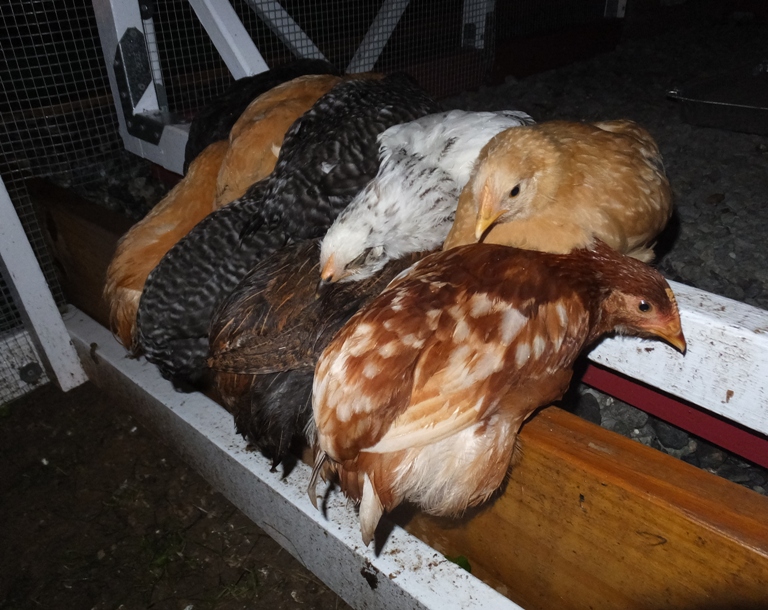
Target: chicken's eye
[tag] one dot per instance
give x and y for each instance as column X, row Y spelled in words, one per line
column 359, row 260
column 515, row 191
column 645, row 306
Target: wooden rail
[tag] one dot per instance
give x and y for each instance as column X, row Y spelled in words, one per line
column 592, row 519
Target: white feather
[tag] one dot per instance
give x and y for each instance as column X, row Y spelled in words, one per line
column 409, row 206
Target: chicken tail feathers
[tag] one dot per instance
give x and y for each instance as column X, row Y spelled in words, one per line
column 320, row 460
column 371, row 511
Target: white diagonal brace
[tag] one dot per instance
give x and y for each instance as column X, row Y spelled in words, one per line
column 285, row 28
column 230, row 38
column 377, row 36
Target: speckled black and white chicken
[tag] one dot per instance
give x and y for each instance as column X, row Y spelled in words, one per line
column 327, row 156
column 267, row 335
column 410, row 205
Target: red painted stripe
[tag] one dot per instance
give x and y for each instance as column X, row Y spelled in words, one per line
column 742, row 441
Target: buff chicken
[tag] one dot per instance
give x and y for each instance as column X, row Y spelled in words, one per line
column 560, row 185
column 327, row 156
column 421, row 395
column 410, row 205
column 220, row 174
column 215, row 121
column 266, row 337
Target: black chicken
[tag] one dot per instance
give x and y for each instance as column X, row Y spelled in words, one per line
column 268, row 334
column 327, row 156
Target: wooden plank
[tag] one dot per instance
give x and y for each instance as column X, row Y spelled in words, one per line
column 31, row 294
column 590, row 519
column 285, row 28
column 377, row 36
column 82, row 238
column 405, row 573
column 700, row 422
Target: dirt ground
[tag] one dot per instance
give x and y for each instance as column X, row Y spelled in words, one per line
column 96, row 513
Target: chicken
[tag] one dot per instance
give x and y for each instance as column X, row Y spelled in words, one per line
column 221, row 174
column 142, row 247
column 267, row 335
column 215, row 121
column 257, row 136
column 559, row 185
column 327, row 156
column 421, row 395
column 409, row 206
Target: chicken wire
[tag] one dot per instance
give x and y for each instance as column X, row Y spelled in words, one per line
column 58, row 121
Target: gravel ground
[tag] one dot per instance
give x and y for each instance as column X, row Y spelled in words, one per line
column 719, row 178
column 98, row 514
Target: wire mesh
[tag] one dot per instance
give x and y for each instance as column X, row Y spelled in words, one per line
column 56, row 106
column 58, row 121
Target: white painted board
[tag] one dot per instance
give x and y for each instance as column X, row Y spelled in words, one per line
column 408, row 573
column 32, row 296
column 725, row 368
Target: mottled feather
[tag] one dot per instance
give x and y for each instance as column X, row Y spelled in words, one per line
column 421, row 395
column 409, row 206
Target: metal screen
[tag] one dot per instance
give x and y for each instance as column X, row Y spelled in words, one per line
column 58, row 121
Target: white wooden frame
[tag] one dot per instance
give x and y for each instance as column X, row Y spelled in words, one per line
column 32, row 296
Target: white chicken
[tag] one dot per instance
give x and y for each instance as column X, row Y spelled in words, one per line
column 410, row 205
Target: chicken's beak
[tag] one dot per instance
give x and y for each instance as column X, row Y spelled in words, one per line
column 487, row 214
column 328, row 271
column 673, row 335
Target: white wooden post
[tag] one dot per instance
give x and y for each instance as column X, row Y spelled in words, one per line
column 230, row 38
column 33, row 297
column 474, row 14
column 377, row 36
column 285, row 28
column 114, row 18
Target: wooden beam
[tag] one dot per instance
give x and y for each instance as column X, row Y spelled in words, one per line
column 728, row 435
column 590, row 519
column 81, row 237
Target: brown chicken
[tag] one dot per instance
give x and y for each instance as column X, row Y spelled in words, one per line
column 267, row 335
column 220, row 174
column 559, row 185
column 421, row 395
column 257, row 136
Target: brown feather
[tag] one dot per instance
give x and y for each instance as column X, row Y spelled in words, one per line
column 277, row 321
column 421, row 395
